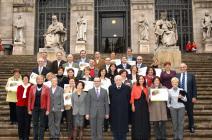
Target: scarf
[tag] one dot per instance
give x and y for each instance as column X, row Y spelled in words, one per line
column 25, row 89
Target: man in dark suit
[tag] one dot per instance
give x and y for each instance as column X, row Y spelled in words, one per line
column 57, row 63
column 40, row 70
column 47, row 63
column 70, row 62
column 188, row 83
column 119, row 94
column 124, row 64
column 107, row 63
column 130, row 56
column 83, row 58
column 139, row 62
column 97, row 108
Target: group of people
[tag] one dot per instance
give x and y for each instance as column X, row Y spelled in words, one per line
column 191, row 47
column 119, row 97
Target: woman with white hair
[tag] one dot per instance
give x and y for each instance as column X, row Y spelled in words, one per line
column 176, row 105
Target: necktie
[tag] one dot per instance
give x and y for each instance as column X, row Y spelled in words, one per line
column 183, row 82
column 97, row 92
column 40, row 70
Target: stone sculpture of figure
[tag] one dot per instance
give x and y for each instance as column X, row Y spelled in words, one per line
column 55, row 35
column 206, row 26
column 143, row 29
column 82, row 29
column 19, row 27
column 165, row 31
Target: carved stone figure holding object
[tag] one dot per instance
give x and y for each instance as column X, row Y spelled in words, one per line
column 143, row 29
column 206, row 26
column 82, row 24
column 19, row 27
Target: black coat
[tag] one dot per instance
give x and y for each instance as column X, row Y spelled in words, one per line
column 119, row 101
column 54, row 66
column 44, row 71
column 121, row 66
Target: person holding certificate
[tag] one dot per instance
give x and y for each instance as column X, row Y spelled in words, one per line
column 150, row 75
column 140, row 115
column 68, row 91
column 21, row 109
column 176, row 103
column 86, row 75
column 11, row 88
column 70, row 75
column 39, row 106
column 78, row 100
column 124, row 75
column 134, row 74
column 158, row 112
column 112, row 72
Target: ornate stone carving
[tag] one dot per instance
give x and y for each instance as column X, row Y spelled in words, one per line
column 19, row 25
column 206, row 26
column 82, row 24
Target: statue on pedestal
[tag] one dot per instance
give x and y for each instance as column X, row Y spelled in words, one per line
column 82, row 24
column 19, row 34
column 55, row 35
column 165, row 31
column 206, row 26
column 143, row 29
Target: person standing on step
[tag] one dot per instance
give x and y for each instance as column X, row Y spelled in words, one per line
column 78, row 100
column 97, row 108
column 119, row 94
column 57, row 63
column 40, row 69
column 56, row 109
column 23, row 117
column 188, row 83
column 39, row 107
column 11, row 89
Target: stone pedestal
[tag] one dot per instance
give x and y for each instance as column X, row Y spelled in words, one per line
column 143, row 47
column 51, row 53
column 208, row 46
column 19, row 49
column 171, row 54
column 80, row 45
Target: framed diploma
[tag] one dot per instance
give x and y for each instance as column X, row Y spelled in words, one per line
column 33, row 77
column 131, row 63
column 88, row 85
column 13, row 85
column 67, row 99
column 75, row 71
column 116, row 61
column 83, row 65
column 142, row 71
column 158, row 72
column 159, row 94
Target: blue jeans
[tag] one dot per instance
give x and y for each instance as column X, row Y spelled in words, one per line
column 119, row 136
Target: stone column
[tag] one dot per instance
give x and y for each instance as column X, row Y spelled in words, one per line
column 147, row 8
column 6, row 16
column 199, row 7
column 83, row 8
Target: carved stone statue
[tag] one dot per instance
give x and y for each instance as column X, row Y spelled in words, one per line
column 206, row 26
column 165, row 31
column 82, row 24
column 55, row 35
column 19, row 27
column 143, row 29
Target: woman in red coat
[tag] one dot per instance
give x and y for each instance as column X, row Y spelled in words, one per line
column 21, row 109
column 150, row 75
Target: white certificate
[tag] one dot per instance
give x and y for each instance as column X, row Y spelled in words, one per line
column 142, row 71
column 75, row 71
column 158, row 72
column 65, row 86
column 159, row 94
column 88, row 85
column 116, row 61
column 83, row 65
column 67, row 98
column 131, row 63
column 13, row 85
column 33, row 77
column 48, row 84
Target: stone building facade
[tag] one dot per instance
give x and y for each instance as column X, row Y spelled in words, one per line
column 90, row 9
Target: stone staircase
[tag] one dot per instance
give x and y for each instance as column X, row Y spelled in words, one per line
column 199, row 64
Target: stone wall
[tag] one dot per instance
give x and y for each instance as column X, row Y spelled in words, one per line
column 199, row 7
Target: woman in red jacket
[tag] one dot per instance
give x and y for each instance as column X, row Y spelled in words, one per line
column 21, row 109
column 39, row 106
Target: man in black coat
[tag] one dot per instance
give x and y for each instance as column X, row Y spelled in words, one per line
column 130, row 56
column 40, row 69
column 119, row 100
column 188, row 83
column 124, row 64
column 57, row 63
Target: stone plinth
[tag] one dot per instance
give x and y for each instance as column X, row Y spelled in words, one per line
column 208, row 45
column 143, row 46
column 171, row 54
column 80, row 45
column 19, row 49
column 51, row 53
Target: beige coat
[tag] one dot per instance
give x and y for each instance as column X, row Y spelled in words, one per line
column 157, row 111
